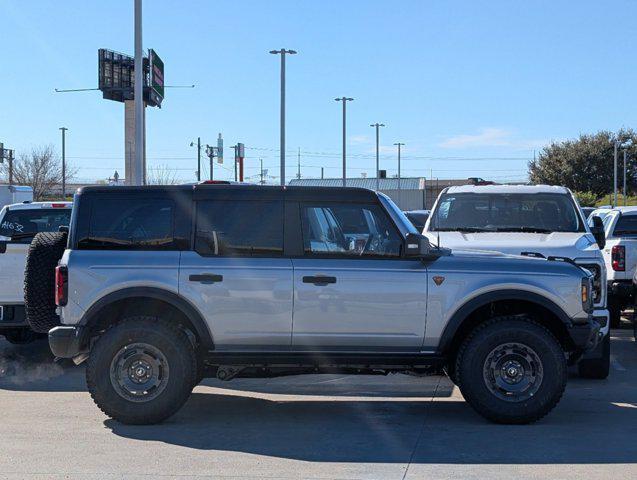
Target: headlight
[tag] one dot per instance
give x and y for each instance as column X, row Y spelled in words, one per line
column 587, row 294
column 598, row 280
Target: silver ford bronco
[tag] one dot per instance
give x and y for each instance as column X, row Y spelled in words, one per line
column 160, row 287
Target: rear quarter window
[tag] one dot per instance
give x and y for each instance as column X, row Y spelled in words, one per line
column 626, row 226
column 130, row 224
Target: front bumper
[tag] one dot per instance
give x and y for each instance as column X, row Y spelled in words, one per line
column 67, row 341
column 585, row 336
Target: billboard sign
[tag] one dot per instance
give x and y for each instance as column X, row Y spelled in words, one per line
column 156, row 77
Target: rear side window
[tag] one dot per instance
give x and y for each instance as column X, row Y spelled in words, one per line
column 130, row 224
column 626, row 226
column 17, row 222
column 239, row 228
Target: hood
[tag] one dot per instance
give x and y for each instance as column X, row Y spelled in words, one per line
column 559, row 244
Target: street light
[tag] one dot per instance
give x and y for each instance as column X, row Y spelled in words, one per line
column 399, row 144
column 283, row 52
column 617, row 144
column 344, row 100
column 63, row 129
column 377, row 125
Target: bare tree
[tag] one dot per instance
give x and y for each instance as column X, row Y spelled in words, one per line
column 161, row 175
column 41, row 169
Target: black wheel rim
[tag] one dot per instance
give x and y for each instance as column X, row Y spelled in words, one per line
column 513, row 372
column 139, row 372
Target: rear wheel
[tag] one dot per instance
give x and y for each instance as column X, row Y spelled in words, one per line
column 20, row 336
column 141, row 371
column 597, row 368
column 511, row 370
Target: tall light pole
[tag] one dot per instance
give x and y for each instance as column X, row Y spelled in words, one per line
column 624, row 177
column 344, row 100
column 192, row 144
column 63, row 129
column 138, row 176
column 282, row 52
column 616, row 146
column 399, row 144
column 377, row 125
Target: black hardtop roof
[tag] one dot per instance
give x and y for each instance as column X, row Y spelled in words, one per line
column 239, row 191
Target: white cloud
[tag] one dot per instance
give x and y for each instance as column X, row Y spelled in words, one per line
column 490, row 137
column 358, row 139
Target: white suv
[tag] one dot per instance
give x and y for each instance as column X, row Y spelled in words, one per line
column 538, row 221
column 18, row 225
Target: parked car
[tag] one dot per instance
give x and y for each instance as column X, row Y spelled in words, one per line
column 587, row 211
column 540, row 221
column 162, row 286
column 10, row 194
column 620, row 255
column 418, row 218
column 18, row 225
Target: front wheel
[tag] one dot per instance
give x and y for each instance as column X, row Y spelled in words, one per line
column 141, row 371
column 511, row 370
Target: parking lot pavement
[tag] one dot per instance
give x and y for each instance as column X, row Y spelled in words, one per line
column 320, row 426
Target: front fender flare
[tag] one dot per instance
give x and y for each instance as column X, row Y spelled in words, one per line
column 460, row 315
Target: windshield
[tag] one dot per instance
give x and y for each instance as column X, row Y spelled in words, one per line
column 498, row 212
column 20, row 222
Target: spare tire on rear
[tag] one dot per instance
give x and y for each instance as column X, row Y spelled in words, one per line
column 45, row 252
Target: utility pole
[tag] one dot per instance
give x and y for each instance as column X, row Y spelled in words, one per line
column 138, row 173
column 298, row 164
column 63, row 129
column 210, row 152
column 344, row 100
column 261, row 171
column 616, row 145
column 199, row 159
column 7, row 154
column 282, row 52
column 625, row 194
column 322, row 173
column 399, row 144
column 377, row 125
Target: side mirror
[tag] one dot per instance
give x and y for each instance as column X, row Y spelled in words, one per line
column 418, row 246
column 598, row 231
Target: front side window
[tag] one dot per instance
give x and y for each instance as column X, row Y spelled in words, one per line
column 19, row 222
column 239, row 228
column 348, row 230
column 130, row 224
column 499, row 212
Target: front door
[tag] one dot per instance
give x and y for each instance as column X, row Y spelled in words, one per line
column 237, row 276
column 352, row 289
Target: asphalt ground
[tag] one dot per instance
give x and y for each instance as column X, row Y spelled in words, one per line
column 315, row 426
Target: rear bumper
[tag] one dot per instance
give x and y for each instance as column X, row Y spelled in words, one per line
column 67, row 341
column 585, row 336
column 622, row 289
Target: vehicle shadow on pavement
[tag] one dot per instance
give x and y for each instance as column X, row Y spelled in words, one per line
column 596, row 422
column 31, row 367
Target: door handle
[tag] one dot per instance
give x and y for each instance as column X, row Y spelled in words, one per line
column 206, row 278
column 320, row 280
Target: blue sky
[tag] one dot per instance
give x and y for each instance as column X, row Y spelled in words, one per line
column 472, row 88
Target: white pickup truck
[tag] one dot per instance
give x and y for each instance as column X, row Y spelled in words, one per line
column 538, row 221
column 18, row 224
column 620, row 255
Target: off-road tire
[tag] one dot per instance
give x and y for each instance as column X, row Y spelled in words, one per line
column 44, row 253
column 167, row 338
column 597, row 368
column 471, row 364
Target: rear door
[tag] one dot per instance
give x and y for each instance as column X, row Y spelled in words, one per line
column 352, row 289
column 237, row 275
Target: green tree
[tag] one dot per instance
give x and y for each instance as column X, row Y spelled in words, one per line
column 586, row 164
column 587, row 199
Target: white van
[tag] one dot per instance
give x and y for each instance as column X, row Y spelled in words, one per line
column 537, row 221
column 15, row 194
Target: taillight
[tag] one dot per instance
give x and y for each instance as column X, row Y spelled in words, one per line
column 618, row 257
column 61, row 285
